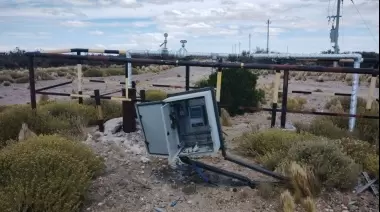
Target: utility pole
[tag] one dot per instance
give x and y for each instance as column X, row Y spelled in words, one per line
column 249, row 45
column 268, row 23
column 334, row 33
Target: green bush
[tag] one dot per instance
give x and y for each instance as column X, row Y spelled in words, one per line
column 155, row 95
column 46, row 173
column 93, row 72
column 330, row 165
column 238, row 89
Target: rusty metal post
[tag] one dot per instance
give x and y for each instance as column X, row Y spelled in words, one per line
column 284, row 106
column 98, row 106
column 32, row 83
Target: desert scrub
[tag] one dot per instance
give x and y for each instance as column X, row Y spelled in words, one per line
column 365, row 129
column 66, row 109
column 331, row 166
column 276, row 148
column 39, row 121
column 21, row 80
column 297, row 103
column 93, row 72
column 262, row 142
column 270, row 146
column 6, row 83
column 6, row 78
column 111, row 109
column 114, row 71
column 46, row 173
column 155, row 95
column 362, row 153
column 323, row 126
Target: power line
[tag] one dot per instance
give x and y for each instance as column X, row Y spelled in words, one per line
column 365, row 23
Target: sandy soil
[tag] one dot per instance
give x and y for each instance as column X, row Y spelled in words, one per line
column 134, row 182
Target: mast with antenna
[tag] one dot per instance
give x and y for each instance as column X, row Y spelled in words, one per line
column 268, row 23
column 249, row 45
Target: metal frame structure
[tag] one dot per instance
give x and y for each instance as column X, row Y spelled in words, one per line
column 128, row 98
column 355, row 58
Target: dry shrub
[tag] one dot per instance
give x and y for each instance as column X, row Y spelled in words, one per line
column 17, row 74
column 155, row 95
column 42, row 75
column 303, row 181
column 46, row 173
column 70, row 109
column 201, row 83
column 362, row 153
column 331, row 166
column 225, row 118
column 269, row 141
column 44, row 99
column 296, row 103
column 22, row 80
column 7, row 83
column 40, row 121
column 92, row 72
column 287, row 202
column 323, row 126
column 3, row 108
column 6, row 78
column 365, row 129
column 111, row 109
column 266, row 190
column 114, row 71
column 309, row 205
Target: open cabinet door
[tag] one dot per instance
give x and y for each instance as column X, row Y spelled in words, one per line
column 171, row 134
column 151, row 121
column 211, row 110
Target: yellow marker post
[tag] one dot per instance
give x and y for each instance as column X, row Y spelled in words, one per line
column 218, row 85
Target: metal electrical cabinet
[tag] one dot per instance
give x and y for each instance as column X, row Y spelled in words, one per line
column 184, row 124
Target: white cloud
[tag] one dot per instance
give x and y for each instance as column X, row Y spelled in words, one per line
column 75, row 23
column 96, row 32
column 199, row 20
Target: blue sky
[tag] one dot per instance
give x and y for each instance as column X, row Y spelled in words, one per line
column 298, row 26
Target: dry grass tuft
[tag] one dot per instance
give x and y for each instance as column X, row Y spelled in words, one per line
column 297, row 103
column 287, row 202
column 225, row 118
column 309, row 205
column 155, row 95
